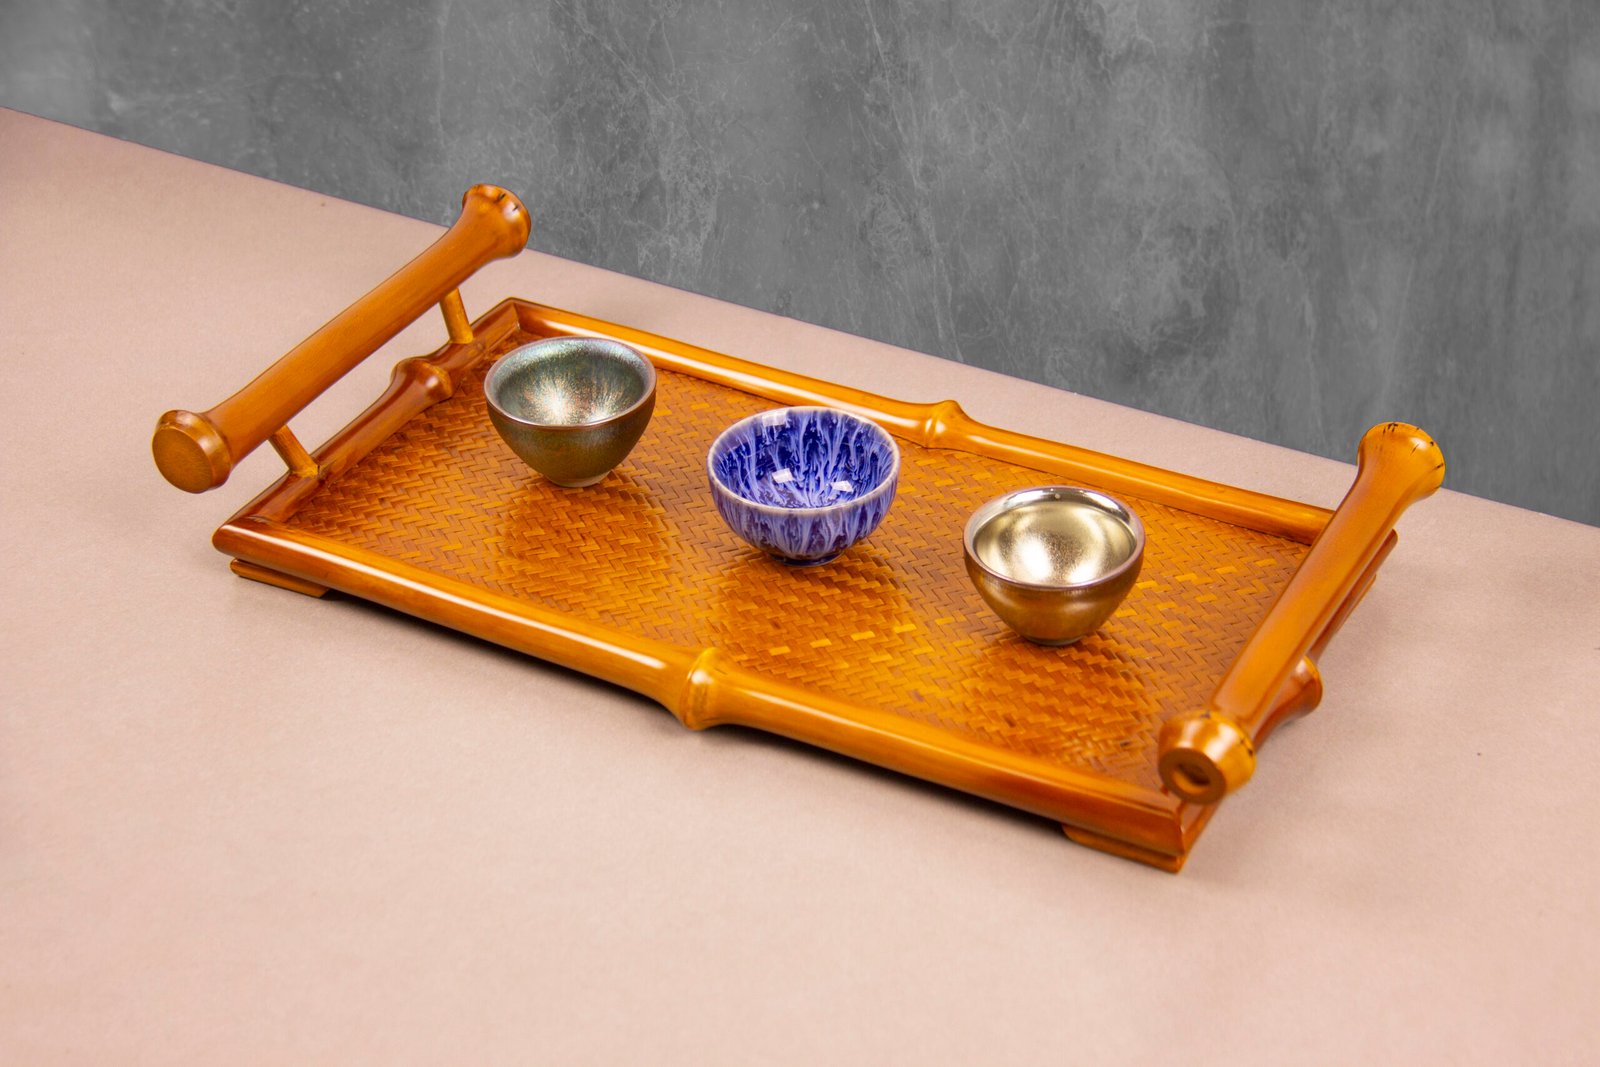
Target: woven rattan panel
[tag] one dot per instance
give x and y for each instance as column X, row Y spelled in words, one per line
column 892, row 624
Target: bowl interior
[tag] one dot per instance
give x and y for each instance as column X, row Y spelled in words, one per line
column 803, row 457
column 569, row 381
column 1055, row 537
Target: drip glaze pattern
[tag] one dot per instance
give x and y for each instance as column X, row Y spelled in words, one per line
column 803, row 483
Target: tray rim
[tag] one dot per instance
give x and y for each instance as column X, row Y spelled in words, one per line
column 1154, row 826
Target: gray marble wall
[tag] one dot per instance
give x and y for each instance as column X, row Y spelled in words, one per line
column 1286, row 218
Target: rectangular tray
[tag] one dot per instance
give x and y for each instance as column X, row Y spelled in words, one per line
column 1128, row 738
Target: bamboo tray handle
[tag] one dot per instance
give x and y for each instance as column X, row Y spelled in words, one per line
column 1207, row 754
column 196, row 452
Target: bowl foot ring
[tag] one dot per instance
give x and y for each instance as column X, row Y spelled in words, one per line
column 787, row 562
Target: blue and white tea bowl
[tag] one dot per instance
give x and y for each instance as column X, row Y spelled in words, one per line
column 803, row 483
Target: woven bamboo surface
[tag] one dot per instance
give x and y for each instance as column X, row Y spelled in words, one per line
column 893, row 624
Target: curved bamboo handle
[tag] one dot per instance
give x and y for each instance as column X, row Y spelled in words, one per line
column 195, row 452
column 1207, row 754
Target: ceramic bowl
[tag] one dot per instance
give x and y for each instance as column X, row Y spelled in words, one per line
column 571, row 407
column 803, row 483
column 1054, row 561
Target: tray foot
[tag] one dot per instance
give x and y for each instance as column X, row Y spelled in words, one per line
column 255, row 573
column 1161, row 860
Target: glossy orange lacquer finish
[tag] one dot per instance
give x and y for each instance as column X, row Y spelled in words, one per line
column 1128, row 739
column 196, row 452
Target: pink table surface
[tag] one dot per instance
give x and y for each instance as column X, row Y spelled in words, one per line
column 238, row 825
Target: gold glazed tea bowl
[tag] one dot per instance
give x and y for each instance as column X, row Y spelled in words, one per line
column 1054, row 561
column 571, row 407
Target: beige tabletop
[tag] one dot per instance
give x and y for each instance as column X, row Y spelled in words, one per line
column 240, row 825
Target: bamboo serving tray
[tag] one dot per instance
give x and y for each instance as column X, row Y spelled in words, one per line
column 1129, row 739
